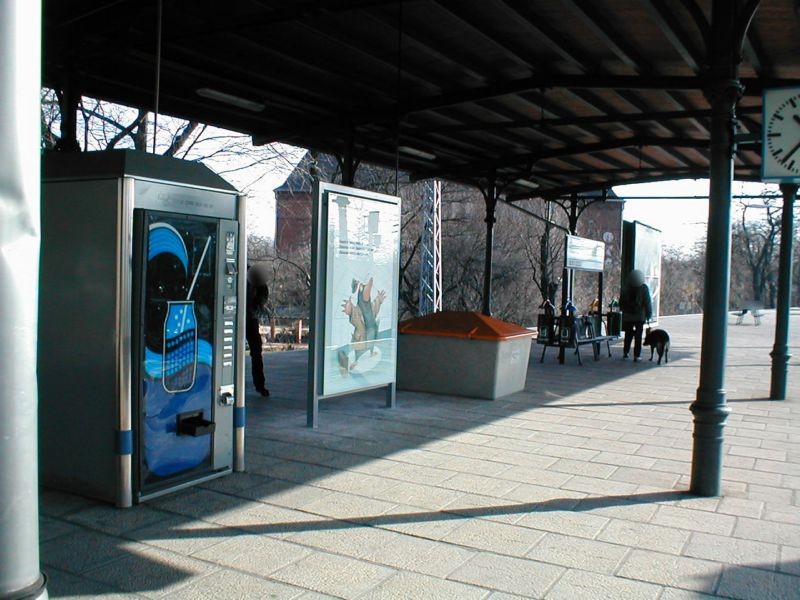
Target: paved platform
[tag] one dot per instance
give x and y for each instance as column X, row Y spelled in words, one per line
column 571, row 489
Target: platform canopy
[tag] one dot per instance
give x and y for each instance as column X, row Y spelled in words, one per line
column 569, row 95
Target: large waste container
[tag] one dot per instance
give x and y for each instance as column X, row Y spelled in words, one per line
column 462, row 354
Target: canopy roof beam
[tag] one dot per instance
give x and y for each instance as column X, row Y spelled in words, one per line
column 663, row 13
column 610, row 118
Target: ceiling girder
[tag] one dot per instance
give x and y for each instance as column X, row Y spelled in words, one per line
column 540, row 123
column 594, row 186
column 664, row 15
column 577, row 149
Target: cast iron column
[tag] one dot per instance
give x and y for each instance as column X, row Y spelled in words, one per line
column 348, row 163
column 490, row 197
column 20, row 62
column 780, row 351
column 573, row 214
column 710, row 409
column 68, row 105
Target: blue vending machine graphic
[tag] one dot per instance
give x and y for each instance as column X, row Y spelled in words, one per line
column 179, row 284
column 179, row 354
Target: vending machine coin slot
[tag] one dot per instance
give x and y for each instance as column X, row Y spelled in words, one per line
column 226, row 395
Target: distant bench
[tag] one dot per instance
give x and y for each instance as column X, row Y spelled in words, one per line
column 754, row 308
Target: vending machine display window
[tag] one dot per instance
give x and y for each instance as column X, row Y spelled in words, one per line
column 176, row 362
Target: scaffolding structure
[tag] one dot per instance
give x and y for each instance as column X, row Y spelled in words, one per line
column 430, row 270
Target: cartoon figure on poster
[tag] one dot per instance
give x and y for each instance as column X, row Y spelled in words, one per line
column 363, row 316
column 361, row 337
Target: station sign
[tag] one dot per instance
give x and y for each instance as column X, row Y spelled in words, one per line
column 582, row 254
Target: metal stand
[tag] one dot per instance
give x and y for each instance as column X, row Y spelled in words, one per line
column 239, row 410
column 565, row 293
column 780, row 351
column 315, row 331
column 391, row 396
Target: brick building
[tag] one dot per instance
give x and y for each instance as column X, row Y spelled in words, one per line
column 293, row 202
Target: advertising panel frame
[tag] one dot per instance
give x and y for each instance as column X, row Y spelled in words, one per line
column 342, row 269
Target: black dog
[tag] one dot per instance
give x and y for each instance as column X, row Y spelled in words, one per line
column 658, row 340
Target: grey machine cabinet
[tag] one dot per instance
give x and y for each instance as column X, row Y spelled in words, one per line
column 140, row 344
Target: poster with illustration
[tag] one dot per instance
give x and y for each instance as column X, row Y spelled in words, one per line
column 361, row 291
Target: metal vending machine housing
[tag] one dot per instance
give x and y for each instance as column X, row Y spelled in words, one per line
column 140, row 338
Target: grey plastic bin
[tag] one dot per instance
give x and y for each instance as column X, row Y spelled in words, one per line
column 462, row 354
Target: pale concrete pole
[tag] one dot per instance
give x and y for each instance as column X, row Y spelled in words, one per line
column 20, row 71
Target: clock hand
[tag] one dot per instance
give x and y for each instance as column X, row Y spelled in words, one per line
column 792, row 151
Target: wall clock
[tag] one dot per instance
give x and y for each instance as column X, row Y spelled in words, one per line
column 780, row 153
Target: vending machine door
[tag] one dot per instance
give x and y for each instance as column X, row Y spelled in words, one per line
column 175, row 348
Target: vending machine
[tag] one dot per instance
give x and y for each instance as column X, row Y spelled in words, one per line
column 141, row 329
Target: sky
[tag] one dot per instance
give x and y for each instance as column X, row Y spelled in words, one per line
column 682, row 221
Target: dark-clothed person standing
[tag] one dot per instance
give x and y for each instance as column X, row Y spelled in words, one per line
column 255, row 310
column 637, row 307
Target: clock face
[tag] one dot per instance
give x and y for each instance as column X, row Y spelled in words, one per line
column 781, row 139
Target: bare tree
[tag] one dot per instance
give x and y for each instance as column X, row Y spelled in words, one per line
column 290, row 283
column 755, row 239
column 682, row 276
column 542, row 245
column 106, row 126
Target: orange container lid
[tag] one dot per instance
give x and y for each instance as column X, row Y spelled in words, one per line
column 470, row 325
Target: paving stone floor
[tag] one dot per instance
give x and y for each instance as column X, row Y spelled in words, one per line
column 574, row 488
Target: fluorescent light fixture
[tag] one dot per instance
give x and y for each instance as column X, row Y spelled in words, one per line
column 531, row 185
column 415, row 152
column 226, row 98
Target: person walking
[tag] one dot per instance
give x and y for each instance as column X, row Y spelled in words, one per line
column 637, row 307
column 256, row 299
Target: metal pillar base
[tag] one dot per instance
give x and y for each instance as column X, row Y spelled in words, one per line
column 710, row 413
column 37, row 591
column 780, row 368
column 391, row 395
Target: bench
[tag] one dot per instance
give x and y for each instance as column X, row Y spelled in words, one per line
column 580, row 333
column 754, row 308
